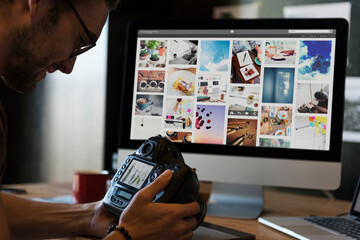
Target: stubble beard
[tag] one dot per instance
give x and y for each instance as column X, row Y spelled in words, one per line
column 24, row 65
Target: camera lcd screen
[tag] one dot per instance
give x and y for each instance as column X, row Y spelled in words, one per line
column 136, row 174
column 123, row 194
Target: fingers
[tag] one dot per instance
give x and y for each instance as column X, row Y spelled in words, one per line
column 190, row 223
column 157, row 186
column 187, row 236
column 188, row 209
column 186, row 229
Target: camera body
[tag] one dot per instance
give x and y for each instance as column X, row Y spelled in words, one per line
column 141, row 168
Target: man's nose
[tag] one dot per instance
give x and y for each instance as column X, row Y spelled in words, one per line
column 67, row 65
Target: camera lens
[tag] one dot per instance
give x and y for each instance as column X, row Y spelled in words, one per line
column 146, row 149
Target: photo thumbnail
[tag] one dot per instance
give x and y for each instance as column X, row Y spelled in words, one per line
column 152, row 53
column 246, row 62
column 310, row 133
column 183, row 52
column 244, row 100
column 274, row 142
column 214, row 56
column 181, row 81
column 241, row 132
column 314, row 60
column 209, row 124
column 180, row 137
column 278, row 85
column 143, row 128
column 149, row 105
column 312, row 98
column 280, row 51
column 276, row 121
column 179, row 113
column 151, row 81
column 212, row 88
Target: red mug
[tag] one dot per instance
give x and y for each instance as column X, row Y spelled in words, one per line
column 89, row 185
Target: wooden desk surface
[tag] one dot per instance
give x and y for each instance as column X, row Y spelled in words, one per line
column 277, row 203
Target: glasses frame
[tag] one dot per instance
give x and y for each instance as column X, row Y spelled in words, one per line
column 85, row 48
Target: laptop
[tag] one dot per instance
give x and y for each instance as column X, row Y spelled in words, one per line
column 320, row 228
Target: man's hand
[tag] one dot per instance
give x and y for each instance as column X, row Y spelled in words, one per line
column 101, row 220
column 311, row 105
column 145, row 219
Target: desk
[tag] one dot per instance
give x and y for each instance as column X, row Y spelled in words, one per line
column 277, row 203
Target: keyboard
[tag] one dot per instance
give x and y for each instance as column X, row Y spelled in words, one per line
column 342, row 226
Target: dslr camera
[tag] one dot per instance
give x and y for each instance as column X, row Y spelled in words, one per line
column 141, row 168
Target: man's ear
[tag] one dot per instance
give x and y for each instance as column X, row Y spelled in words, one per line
column 39, row 8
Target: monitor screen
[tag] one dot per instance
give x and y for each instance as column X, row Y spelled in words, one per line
column 258, row 88
column 273, row 89
column 265, row 96
column 357, row 203
column 355, row 206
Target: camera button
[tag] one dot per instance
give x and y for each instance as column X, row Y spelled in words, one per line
column 153, row 177
column 128, row 160
column 116, row 179
column 123, row 166
column 175, row 166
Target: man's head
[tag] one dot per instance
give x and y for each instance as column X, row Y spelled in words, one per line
column 47, row 35
column 321, row 96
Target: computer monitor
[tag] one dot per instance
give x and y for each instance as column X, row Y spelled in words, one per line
column 254, row 102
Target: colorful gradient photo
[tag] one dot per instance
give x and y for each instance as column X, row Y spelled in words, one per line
column 210, row 124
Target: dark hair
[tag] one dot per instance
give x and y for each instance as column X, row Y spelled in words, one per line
column 321, row 95
column 112, row 4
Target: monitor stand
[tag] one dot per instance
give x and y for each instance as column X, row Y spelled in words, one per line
column 235, row 201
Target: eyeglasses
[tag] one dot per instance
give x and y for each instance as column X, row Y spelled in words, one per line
column 81, row 49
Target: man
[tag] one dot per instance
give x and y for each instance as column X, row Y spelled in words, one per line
column 322, row 98
column 40, row 36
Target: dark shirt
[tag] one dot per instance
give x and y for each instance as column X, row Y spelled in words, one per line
column 3, row 133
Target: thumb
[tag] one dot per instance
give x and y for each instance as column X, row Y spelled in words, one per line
column 158, row 185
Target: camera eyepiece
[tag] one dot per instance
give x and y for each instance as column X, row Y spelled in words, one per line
column 147, row 149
